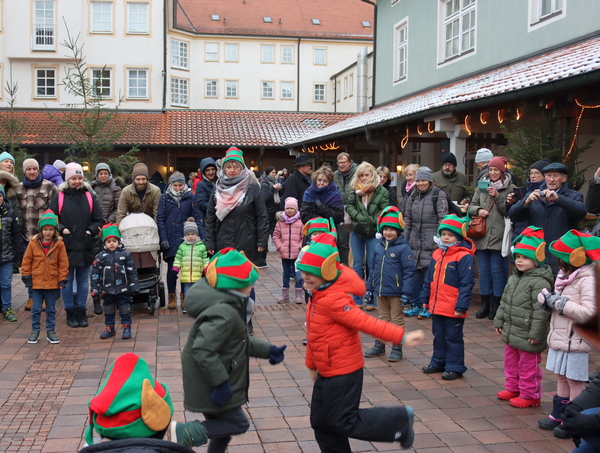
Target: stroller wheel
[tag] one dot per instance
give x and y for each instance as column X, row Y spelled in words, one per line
column 151, row 306
column 161, row 295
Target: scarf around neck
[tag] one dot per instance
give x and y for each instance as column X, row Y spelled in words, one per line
column 177, row 194
column 562, row 280
column 32, row 184
column 328, row 195
column 230, row 192
column 292, row 219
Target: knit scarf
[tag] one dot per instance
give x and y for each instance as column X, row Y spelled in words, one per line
column 33, row 184
column 177, row 194
column 292, row 219
column 410, row 186
column 328, row 195
column 230, row 192
column 563, row 280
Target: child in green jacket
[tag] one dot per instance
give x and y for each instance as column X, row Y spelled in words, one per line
column 191, row 258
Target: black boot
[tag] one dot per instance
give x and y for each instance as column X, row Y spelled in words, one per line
column 485, row 307
column 556, row 417
column 495, row 305
column 97, row 305
column 72, row 320
column 81, row 318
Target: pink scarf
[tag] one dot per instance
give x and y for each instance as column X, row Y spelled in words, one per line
column 230, row 192
column 292, row 219
column 562, row 281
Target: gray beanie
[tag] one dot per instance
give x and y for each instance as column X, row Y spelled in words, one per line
column 103, row 166
column 483, row 155
column 59, row 164
column 177, row 177
column 189, row 226
column 424, row 173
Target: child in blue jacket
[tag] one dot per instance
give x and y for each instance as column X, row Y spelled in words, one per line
column 392, row 277
column 447, row 294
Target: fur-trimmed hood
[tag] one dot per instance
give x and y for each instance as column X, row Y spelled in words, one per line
column 11, row 183
column 65, row 185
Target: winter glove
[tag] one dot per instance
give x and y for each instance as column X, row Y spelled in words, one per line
column 27, row 281
column 581, row 425
column 368, row 297
column 221, row 393
column 63, row 283
column 276, row 354
column 405, row 299
column 164, row 246
column 553, row 301
column 318, row 204
column 175, row 269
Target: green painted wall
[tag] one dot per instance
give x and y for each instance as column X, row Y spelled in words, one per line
column 502, row 35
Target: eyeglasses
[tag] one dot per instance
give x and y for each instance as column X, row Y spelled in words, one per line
column 342, row 162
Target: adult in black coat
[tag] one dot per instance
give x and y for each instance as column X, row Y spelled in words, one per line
column 204, row 188
column 299, row 181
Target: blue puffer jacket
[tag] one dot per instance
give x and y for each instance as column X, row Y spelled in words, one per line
column 394, row 269
column 114, row 273
column 204, row 188
column 171, row 216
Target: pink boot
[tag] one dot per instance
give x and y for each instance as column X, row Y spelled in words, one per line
column 299, row 296
column 285, row 296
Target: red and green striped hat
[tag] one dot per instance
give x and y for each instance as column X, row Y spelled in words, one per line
column 576, row 248
column 48, row 219
column 130, row 403
column 390, row 217
column 316, row 225
column 230, row 269
column 455, row 224
column 234, row 154
column 530, row 243
column 321, row 258
column 110, row 230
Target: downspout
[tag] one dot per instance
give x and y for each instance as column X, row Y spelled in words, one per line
column 335, row 95
column 374, row 49
column 377, row 145
column 298, row 76
column 164, row 72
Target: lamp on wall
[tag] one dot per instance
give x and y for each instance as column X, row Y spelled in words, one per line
column 399, row 168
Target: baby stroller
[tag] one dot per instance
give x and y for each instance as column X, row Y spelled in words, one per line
column 140, row 237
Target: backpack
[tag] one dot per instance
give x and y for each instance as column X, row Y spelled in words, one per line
column 61, row 201
column 452, row 207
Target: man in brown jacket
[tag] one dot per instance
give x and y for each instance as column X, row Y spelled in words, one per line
column 139, row 196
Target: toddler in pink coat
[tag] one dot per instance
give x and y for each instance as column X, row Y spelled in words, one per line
column 288, row 241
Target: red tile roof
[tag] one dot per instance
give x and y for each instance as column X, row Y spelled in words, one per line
column 339, row 19
column 198, row 128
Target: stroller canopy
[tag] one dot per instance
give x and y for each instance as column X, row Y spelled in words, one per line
column 139, row 233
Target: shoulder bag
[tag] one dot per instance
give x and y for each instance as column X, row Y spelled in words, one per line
column 477, row 225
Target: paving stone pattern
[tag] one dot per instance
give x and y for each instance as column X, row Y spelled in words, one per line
column 45, row 388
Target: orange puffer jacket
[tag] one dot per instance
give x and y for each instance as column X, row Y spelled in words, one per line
column 46, row 270
column 334, row 321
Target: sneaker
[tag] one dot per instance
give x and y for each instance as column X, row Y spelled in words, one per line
column 34, row 337
column 9, row 315
column 51, row 337
column 192, row 434
column 262, row 265
column 305, row 341
column 412, row 311
column 407, row 438
column 424, row 314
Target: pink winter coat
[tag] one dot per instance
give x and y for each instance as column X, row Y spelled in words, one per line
column 288, row 239
column 580, row 308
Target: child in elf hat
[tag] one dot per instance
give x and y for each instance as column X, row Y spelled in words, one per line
column 114, row 277
column 334, row 354
column 191, row 258
column 131, row 411
column 392, row 276
column 287, row 237
column 45, row 270
column 573, row 301
column 521, row 322
column 215, row 359
column 11, row 250
column 447, row 293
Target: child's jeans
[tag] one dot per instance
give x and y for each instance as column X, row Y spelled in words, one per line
column 185, row 287
column 289, row 269
column 79, row 275
column 6, row 274
column 390, row 309
column 222, row 425
column 523, row 373
column 448, row 343
column 114, row 301
column 358, row 244
column 38, row 296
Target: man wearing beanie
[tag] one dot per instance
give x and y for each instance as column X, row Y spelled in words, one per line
column 450, row 180
column 140, row 195
column 107, row 191
column 482, row 158
column 34, row 194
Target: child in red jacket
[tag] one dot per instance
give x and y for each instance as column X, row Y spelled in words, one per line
column 334, row 355
column 447, row 294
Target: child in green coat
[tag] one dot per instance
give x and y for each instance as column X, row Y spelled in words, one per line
column 191, row 258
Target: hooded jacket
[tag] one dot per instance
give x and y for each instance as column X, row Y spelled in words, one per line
column 333, row 323
column 11, row 245
column 46, row 270
column 171, row 216
column 108, row 195
column 218, row 348
column 287, row 238
column 191, row 259
column 394, row 268
column 364, row 219
column 450, row 279
column 519, row 315
column 205, row 187
column 10, row 191
column 114, row 273
column 53, row 175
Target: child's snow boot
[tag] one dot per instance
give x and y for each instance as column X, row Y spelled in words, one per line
column 285, row 296
column 109, row 331
column 299, row 296
column 556, row 417
column 172, row 300
column 126, row 332
column 182, row 299
column 377, row 350
column 396, row 354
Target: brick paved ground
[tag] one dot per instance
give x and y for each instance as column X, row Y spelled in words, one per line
column 44, row 388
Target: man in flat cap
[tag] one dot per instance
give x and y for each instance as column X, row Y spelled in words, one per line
column 299, row 181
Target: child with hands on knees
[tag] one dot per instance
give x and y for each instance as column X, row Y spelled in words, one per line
column 521, row 322
column 287, row 237
column 335, row 359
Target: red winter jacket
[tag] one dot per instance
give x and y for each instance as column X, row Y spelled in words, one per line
column 333, row 322
column 288, row 239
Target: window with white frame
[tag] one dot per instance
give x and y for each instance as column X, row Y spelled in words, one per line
column 319, row 92
column 137, row 84
column 44, row 25
column 267, row 90
column 231, row 52
column 137, row 18
column 338, row 91
column 211, row 51
column 45, row 83
column 287, row 54
column 179, row 92
column 101, row 20
column 267, row 53
column 212, row 89
column 287, row 90
column 545, row 10
column 101, row 83
column 231, row 88
column 351, row 85
column 550, row 7
column 179, row 54
column 401, row 54
column 345, row 87
column 320, row 56
column 459, row 27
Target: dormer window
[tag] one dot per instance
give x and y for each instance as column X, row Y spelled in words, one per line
column 316, row 22
column 267, row 20
column 366, row 23
column 215, row 17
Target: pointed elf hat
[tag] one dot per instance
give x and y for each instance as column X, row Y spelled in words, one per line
column 530, row 243
column 455, row 224
column 576, row 248
column 390, row 217
column 318, row 224
column 230, row 269
column 322, row 258
column 130, row 403
column 234, row 154
column 48, row 219
column 110, row 230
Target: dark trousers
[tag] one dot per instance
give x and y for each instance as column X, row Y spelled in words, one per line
column 171, row 276
column 122, row 302
column 335, row 416
column 418, row 281
column 448, row 343
column 222, row 425
column 343, row 244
